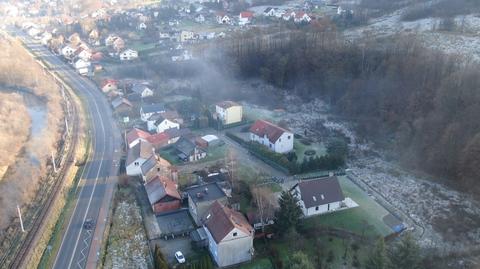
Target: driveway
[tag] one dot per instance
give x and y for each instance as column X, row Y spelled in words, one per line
column 169, row 247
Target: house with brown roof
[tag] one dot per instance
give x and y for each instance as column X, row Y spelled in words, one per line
column 137, row 155
column 230, row 236
column 201, row 197
column 157, row 166
column 319, row 196
column 229, row 112
column 163, row 194
column 274, row 137
column 136, row 135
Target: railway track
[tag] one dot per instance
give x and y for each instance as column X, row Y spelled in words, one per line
column 22, row 243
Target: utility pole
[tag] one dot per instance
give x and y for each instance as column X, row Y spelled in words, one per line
column 20, row 217
column 54, row 165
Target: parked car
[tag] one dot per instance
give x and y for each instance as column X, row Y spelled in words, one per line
column 179, row 256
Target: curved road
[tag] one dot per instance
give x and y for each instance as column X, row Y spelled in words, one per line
column 79, row 246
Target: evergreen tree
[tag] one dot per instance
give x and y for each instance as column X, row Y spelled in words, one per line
column 299, row 261
column 288, row 214
column 378, row 258
column 406, row 254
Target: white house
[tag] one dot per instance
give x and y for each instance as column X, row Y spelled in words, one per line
column 141, row 26
column 230, row 235
column 128, row 55
column 223, row 18
column 137, row 155
column 142, row 90
column 319, row 196
column 245, row 17
column 163, row 121
column 68, row 51
column 301, row 17
column 272, row 136
column 136, row 135
column 269, row 12
column 200, row 18
column 187, row 36
column 80, row 64
column 85, row 55
column 146, row 111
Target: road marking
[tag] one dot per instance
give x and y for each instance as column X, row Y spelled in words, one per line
column 85, row 242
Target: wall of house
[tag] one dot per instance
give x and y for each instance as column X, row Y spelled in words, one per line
column 235, row 250
column 284, row 143
column 167, row 124
column 233, row 114
column 136, row 141
column 162, row 207
column 212, row 246
column 134, row 169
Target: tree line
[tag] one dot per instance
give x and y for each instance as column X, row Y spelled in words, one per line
column 418, row 104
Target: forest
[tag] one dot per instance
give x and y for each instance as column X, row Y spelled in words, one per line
column 419, row 106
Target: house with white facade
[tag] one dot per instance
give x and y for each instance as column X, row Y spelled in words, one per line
column 201, row 197
column 136, row 135
column 274, row 137
column 229, row 112
column 137, row 155
column 245, row 18
column 68, row 51
column 301, row 17
column 146, row 111
column 320, row 196
column 230, row 236
column 223, row 18
column 128, row 55
column 142, row 90
column 163, row 121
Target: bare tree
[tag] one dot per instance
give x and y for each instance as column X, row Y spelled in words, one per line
column 266, row 203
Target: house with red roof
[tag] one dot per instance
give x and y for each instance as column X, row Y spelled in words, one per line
column 274, row 137
column 158, row 140
column 109, row 85
column 136, row 135
column 230, row 235
column 245, row 17
column 300, row 17
column 163, row 194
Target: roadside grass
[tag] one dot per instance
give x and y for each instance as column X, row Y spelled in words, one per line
column 366, row 220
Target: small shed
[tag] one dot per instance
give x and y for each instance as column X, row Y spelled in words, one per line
column 199, row 237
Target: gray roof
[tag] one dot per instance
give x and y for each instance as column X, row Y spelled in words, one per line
column 206, row 192
column 155, row 191
column 199, row 234
column 148, row 164
column 153, row 108
column 142, row 150
column 120, row 100
column 174, row 132
column 320, row 191
column 185, row 146
column 139, row 88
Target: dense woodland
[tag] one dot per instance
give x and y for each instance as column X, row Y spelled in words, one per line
column 420, row 105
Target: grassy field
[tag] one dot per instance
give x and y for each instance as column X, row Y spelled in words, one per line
column 300, row 149
column 367, row 219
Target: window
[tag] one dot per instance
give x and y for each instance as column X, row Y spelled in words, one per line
column 316, row 208
column 235, row 234
column 289, row 137
column 279, row 140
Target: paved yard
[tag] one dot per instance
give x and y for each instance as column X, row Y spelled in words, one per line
column 175, row 223
column 169, row 247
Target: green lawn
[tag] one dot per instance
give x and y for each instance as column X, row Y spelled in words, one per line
column 367, row 219
column 259, row 263
column 213, row 153
column 300, row 149
column 140, row 46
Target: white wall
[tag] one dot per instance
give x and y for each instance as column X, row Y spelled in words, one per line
column 167, row 124
column 282, row 145
column 134, row 169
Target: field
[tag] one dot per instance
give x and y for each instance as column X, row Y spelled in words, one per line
column 300, row 147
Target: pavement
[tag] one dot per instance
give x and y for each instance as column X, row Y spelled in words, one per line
column 79, row 247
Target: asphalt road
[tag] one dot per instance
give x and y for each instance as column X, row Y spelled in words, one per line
column 98, row 177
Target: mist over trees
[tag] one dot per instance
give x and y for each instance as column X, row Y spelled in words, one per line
column 418, row 104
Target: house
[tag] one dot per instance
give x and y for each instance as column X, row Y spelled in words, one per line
column 137, row 155
column 67, row 51
column 269, row 12
column 163, row 194
column 157, row 166
column 301, row 17
column 200, row 18
column 146, row 111
column 141, row 26
column 186, row 36
column 223, row 18
column 319, row 196
column 188, row 151
column 230, row 236
column 84, row 54
column 274, row 137
column 208, row 141
column 245, row 17
column 142, row 90
column 109, row 85
column 136, row 135
column 229, row 112
column 110, row 39
column 118, row 44
column 121, row 105
column 201, row 197
column 158, row 140
column 128, row 55
column 163, row 121
column 82, row 66
column 175, row 134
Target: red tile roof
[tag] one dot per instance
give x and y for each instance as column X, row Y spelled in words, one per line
column 135, row 134
column 246, row 14
column 158, row 139
column 272, row 131
column 221, row 220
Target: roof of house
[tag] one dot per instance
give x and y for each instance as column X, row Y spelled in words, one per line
column 160, row 187
column 209, row 138
column 174, row 132
column 119, row 101
column 320, row 191
column 205, row 192
column 152, row 108
column 221, row 220
column 158, row 139
column 246, row 14
column 268, row 9
column 148, row 165
column 299, row 14
column 139, row 88
column 227, row 104
column 108, row 82
column 185, row 146
column 272, row 131
column 142, row 150
column 135, row 134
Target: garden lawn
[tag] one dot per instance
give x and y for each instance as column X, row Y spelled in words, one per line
column 258, row 263
column 300, row 149
column 367, row 219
